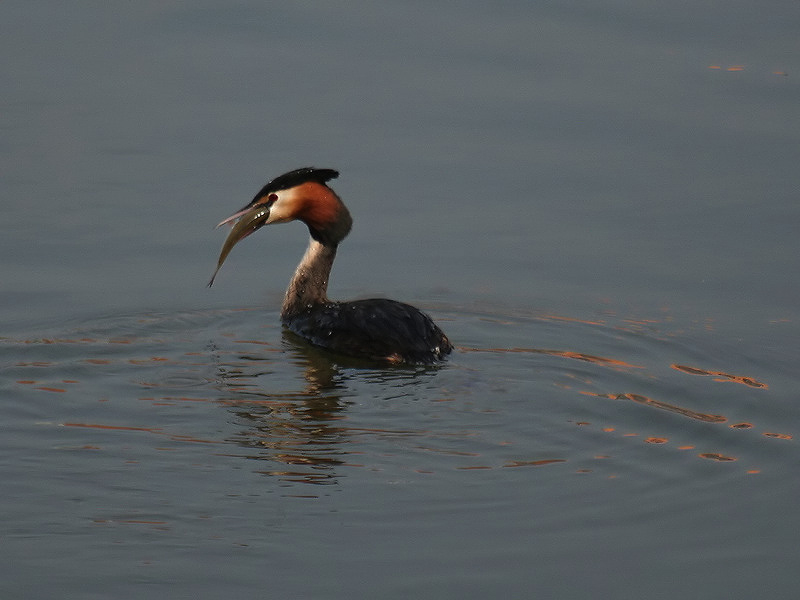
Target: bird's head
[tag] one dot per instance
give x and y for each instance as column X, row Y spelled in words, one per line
column 300, row 195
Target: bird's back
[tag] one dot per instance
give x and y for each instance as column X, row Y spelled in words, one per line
column 377, row 329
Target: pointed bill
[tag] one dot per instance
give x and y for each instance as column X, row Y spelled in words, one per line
column 250, row 219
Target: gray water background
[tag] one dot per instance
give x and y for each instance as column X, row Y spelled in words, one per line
column 587, row 197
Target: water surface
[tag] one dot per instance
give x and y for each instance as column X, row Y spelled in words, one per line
column 597, row 204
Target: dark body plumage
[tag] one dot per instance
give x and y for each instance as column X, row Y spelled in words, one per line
column 376, row 329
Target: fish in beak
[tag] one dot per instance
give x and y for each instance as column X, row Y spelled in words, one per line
column 251, row 218
column 299, row 194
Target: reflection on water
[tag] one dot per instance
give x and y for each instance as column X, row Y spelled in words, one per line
column 305, row 429
column 666, row 406
column 213, row 430
column 311, row 417
column 720, row 376
column 647, row 401
column 551, row 449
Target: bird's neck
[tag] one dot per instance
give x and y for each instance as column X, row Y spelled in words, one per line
column 309, row 285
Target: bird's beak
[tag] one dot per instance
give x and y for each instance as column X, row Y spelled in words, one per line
column 251, row 218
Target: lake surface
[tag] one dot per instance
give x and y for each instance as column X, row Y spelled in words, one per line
column 597, row 203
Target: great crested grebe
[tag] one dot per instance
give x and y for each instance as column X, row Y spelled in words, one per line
column 377, row 329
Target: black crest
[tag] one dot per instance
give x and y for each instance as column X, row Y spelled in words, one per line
column 296, row 177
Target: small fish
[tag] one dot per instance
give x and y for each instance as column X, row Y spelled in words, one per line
column 251, row 218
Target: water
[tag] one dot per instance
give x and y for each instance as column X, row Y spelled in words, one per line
column 595, row 203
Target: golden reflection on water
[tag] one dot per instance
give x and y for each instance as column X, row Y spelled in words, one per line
column 610, row 362
column 718, row 376
column 721, row 376
column 304, row 435
column 638, row 398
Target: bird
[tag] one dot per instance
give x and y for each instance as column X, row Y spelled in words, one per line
column 377, row 329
